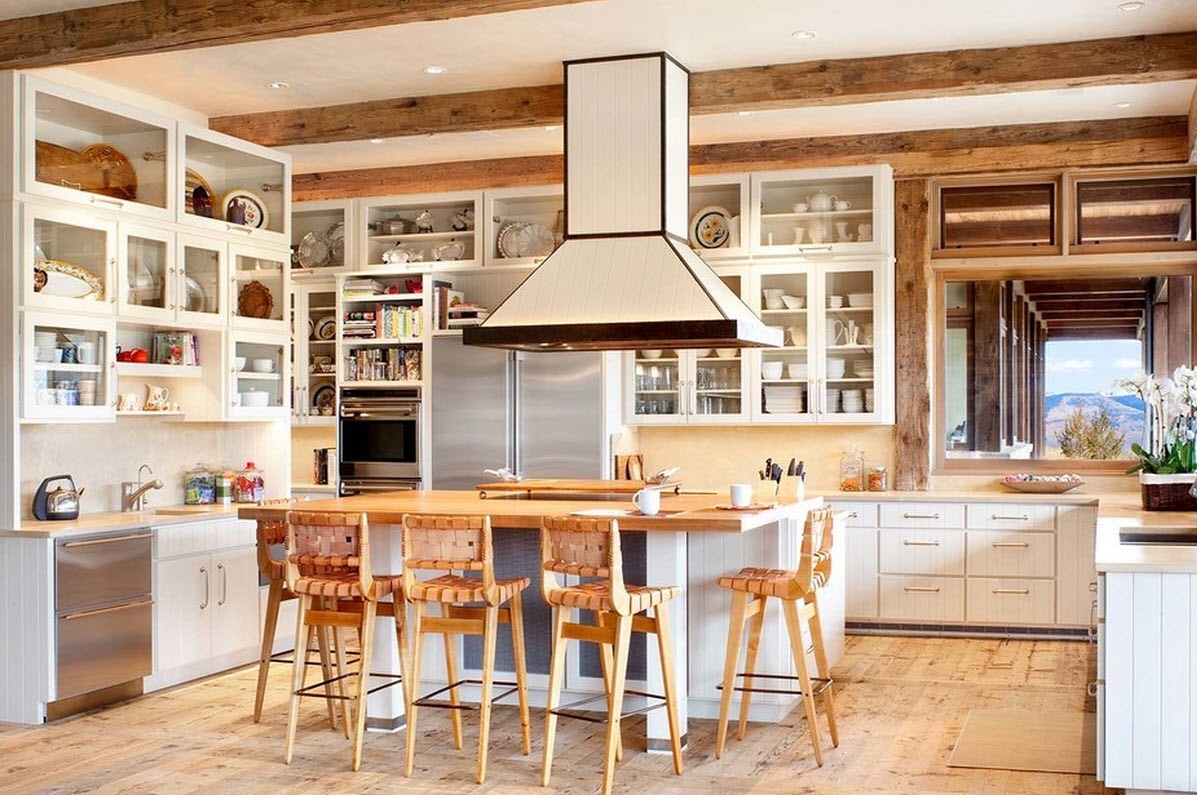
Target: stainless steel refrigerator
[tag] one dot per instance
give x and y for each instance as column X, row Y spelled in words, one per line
column 541, row 414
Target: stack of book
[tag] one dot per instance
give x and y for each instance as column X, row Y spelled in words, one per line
column 355, row 288
column 383, row 321
column 466, row 314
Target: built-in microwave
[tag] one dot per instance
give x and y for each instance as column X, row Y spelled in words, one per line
column 378, row 438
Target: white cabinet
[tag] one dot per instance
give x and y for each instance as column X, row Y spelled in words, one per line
column 259, row 286
column 201, row 282
column 324, row 235
column 428, row 226
column 836, row 365
column 314, row 362
column 823, row 212
column 259, row 376
column 519, row 224
column 69, row 372
column 67, row 260
column 714, row 197
column 206, row 599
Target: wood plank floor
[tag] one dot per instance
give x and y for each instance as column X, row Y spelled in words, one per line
column 902, row 702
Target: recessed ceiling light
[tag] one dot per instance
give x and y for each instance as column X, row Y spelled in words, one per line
column 278, row 85
column 435, row 70
column 743, row 113
column 938, row 99
column 1122, row 104
column 804, row 34
column 550, row 127
column 376, row 140
column 1135, row 5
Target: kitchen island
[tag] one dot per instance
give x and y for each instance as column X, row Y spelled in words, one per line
column 690, row 543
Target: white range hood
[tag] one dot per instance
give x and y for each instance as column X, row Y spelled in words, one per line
column 625, row 277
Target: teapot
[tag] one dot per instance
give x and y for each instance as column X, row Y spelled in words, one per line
column 396, row 226
column 821, row 202
column 463, row 220
column 424, row 222
column 401, row 254
column 448, row 251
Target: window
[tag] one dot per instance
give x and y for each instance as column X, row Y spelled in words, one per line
column 1147, row 211
column 1021, row 216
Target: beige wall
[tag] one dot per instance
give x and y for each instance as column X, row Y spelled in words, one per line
column 303, row 441
column 100, row 456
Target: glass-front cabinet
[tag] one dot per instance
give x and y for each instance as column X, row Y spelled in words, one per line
column 259, row 285
column 88, row 150
column 323, row 236
column 719, row 216
column 784, row 301
column 70, row 368
column 259, row 377
column 314, row 352
column 201, row 284
column 822, row 212
column 416, row 230
column 146, row 273
column 68, row 260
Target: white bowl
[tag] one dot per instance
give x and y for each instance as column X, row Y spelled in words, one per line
column 862, row 300
column 796, row 369
column 771, row 371
column 651, row 353
column 262, row 365
column 254, row 399
column 835, row 301
column 726, row 353
column 793, row 301
column 702, row 353
column 835, row 367
column 239, row 362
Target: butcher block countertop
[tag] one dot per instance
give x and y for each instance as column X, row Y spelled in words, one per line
column 113, row 521
column 684, row 512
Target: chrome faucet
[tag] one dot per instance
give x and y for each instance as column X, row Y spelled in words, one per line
column 133, row 495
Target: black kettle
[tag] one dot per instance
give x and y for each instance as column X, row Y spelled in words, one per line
column 58, row 505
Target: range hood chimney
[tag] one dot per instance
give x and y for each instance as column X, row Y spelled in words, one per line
column 625, row 277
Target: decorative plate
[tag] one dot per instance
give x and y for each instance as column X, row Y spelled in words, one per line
column 252, row 207
column 314, row 250
column 255, row 300
column 533, row 240
column 311, row 329
column 52, row 277
column 196, row 187
column 197, row 299
column 506, row 240
column 336, row 236
column 710, row 228
column 326, row 328
column 324, row 397
column 118, row 177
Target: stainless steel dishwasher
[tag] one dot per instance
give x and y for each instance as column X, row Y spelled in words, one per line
column 104, row 619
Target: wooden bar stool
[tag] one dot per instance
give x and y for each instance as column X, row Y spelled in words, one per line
column 271, row 533
column 452, row 544
column 588, row 547
column 329, row 570
column 798, row 592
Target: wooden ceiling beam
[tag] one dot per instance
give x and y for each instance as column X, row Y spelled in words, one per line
column 1049, row 305
column 1022, row 147
column 1126, row 333
column 850, row 81
column 145, row 27
column 1087, row 286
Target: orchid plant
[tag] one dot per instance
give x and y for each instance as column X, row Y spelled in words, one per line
column 1171, row 422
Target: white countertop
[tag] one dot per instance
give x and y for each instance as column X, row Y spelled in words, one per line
column 1075, row 497
column 116, row 520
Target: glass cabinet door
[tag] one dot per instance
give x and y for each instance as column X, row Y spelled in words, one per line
column 258, row 377
column 657, row 387
column 145, row 263
column 69, row 261
column 259, row 280
column 823, row 210
column 784, row 303
column 846, row 386
column 719, row 376
column 69, row 369
column 199, row 288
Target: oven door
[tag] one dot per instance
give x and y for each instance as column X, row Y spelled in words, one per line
column 379, row 438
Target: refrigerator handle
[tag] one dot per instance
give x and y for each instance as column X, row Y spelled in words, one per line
column 515, row 371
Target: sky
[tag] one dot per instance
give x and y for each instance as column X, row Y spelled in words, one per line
column 1090, row 366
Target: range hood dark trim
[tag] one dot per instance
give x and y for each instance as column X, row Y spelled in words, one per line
column 635, row 335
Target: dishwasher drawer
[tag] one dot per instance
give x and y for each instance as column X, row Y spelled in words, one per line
column 104, row 646
column 102, row 569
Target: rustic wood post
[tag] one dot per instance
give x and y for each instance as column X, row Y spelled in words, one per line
column 912, row 327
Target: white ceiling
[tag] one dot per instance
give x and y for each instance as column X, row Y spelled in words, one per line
column 526, row 48
column 10, row 9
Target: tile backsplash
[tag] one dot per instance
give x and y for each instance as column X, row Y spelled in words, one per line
column 100, row 456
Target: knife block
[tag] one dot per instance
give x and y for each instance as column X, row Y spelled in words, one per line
column 766, row 492
column 793, row 489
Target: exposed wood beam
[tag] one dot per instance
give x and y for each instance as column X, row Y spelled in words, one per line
column 153, row 26
column 1131, row 59
column 1193, row 127
column 1087, row 286
column 1127, row 333
column 1049, row 305
column 1019, row 147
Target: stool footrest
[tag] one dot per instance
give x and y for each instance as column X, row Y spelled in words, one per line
column 571, row 710
column 819, row 684
column 289, row 658
column 306, row 691
column 427, row 700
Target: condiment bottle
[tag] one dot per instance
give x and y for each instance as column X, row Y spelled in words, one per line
column 852, row 470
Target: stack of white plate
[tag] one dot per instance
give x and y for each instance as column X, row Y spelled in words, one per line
column 868, row 399
column 852, row 401
column 862, row 369
column 785, row 399
column 833, row 399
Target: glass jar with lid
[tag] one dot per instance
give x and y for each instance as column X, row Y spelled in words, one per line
column 199, row 486
column 249, row 485
column 852, row 470
column 878, row 478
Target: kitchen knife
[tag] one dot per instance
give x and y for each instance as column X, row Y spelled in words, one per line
column 793, row 468
column 762, row 473
column 802, row 470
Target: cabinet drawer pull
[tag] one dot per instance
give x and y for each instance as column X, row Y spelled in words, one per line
column 112, row 202
column 920, row 516
column 1000, row 517
column 1015, row 591
column 1011, row 544
column 921, row 588
column 224, row 584
column 66, row 183
column 108, row 540
column 102, row 610
column 911, row 542
column 207, row 590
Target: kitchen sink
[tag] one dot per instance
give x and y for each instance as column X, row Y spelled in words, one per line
column 1159, row 536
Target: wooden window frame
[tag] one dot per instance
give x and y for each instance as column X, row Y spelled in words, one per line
column 1073, row 180
column 1055, row 179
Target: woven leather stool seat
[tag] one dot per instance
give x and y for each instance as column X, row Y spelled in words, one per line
column 456, row 589
column 597, row 596
column 345, row 585
column 768, row 582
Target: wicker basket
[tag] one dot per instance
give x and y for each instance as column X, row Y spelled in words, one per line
column 1167, row 492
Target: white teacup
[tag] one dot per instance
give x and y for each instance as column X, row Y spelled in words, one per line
column 647, row 501
column 741, row 495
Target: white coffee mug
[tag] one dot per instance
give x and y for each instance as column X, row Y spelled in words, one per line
column 85, row 352
column 647, row 501
column 741, row 495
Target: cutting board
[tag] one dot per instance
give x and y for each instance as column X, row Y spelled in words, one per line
column 573, row 486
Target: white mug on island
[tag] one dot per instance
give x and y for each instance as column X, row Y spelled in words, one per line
column 741, row 495
column 647, row 501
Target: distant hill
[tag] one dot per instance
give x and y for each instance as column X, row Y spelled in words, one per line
column 1127, row 412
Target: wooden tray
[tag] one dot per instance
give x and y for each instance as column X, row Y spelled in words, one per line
column 1042, row 486
column 573, row 486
